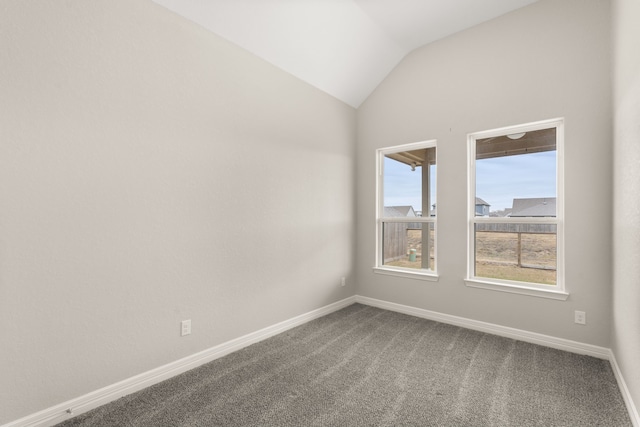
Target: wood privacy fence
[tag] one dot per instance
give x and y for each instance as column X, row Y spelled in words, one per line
column 395, row 239
column 525, row 245
column 517, row 228
column 511, row 250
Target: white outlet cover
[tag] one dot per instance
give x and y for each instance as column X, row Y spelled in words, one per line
column 185, row 327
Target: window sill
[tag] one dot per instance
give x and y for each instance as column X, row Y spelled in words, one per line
column 417, row 275
column 517, row 289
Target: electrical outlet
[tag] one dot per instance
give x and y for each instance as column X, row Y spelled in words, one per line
column 185, row 327
column 343, row 281
column 580, row 317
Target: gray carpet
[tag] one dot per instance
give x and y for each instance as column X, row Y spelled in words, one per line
column 362, row 366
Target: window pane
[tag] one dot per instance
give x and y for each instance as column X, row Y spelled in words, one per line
column 403, row 245
column 519, row 252
column 516, row 175
column 409, row 183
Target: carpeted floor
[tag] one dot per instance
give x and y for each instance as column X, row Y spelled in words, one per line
column 363, row 366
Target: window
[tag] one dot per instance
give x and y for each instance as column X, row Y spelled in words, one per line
column 516, row 209
column 406, row 211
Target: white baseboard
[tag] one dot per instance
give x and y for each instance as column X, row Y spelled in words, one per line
column 504, row 331
column 518, row 334
column 79, row 405
column 622, row 385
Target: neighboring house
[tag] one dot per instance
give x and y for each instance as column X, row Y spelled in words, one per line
column 534, row 207
column 395, row 233
column 403, row 212
column 501, row 213
column 482, row 207
column 399, row 211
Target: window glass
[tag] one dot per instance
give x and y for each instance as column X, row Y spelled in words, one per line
column 403, row 180
column 407, row 209
column 514, row 234
column 402, row 244
column 518, row 252
column 524, row 168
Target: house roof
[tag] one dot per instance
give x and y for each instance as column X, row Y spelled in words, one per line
column 536, row 207
column 399, row 211
column 479, row 201
column 501, row 213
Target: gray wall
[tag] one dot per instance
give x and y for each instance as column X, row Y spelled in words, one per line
column 626, row 178
column 547, row 60
column 152, row 172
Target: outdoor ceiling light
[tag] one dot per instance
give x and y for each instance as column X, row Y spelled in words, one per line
column 516, row 135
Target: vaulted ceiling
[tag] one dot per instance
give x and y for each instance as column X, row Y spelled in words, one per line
column 343, row 47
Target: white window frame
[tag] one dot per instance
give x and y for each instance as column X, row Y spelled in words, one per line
column 379, row 266
column 558, row 291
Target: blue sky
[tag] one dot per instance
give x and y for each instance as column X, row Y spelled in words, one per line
column 403, row 187
column 498, row 180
